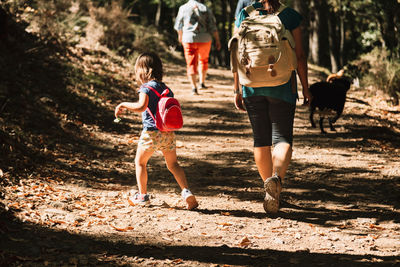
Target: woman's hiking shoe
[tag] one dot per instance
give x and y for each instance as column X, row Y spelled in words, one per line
column 273, row 188
column 139, row 199
column 190, row 199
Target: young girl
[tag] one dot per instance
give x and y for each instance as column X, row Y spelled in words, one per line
column 149, row 73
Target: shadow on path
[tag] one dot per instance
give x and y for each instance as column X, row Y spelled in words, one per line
column 61, row 247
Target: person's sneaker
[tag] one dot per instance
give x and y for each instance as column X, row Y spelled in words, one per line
column 190, row 199
column 203, row 86
column 194, row 91
column 139, row 199
column 273, row 188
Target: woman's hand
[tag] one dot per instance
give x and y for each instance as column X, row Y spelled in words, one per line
column 307, row 96
column 239, row 104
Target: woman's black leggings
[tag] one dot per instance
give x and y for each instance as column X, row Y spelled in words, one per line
column 271, row 119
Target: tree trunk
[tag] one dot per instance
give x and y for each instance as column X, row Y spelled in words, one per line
column 313, row 34
column 226, row 13
column 332, row 44
column 388, row 26
column 342, row 34
column 302, row 6
column 158, row 14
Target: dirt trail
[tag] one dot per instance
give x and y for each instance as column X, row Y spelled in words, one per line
column 340, row 202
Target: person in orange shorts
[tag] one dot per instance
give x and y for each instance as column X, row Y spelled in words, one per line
column 195, row 24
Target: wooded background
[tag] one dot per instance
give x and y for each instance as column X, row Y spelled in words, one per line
column 361, row 36
column 335, row 31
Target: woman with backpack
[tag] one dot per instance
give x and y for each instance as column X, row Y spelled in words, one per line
column 271, row 108
column 149, row 74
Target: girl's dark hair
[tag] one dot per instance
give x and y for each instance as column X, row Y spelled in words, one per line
column 273, row 6
column 148, row 67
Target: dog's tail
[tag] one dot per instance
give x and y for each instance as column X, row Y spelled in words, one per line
column 333, row 76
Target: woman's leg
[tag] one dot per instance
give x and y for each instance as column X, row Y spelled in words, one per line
column 257, row 108
column 281, row 157
column 141, row 159
column 282, row 118
column 263, row 159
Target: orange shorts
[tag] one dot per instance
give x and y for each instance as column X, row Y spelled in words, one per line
column 196, row 54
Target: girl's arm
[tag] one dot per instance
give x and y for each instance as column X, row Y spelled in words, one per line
column 138, row 106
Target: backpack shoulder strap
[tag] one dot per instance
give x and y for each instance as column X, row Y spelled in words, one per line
column 233, row 48
column 281, row 8
column 165, row 92
column 152, row 89
column 254, row 12
column 251, row 11
column 148, row 109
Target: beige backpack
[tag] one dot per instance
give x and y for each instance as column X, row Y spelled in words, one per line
column 262, row 50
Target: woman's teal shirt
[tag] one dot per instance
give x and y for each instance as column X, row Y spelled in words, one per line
column 291, row 19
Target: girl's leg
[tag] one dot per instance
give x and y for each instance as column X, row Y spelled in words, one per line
column 174, row 167
column 180, row 177
column 141, row 159
column 263, row 158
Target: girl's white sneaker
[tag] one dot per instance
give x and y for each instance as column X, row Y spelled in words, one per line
column 190, row 199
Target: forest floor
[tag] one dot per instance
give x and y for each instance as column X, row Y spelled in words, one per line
column 340, row 200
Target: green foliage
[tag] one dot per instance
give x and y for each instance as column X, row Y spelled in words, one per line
column 118, row 32
column 56, row 21
column 384, row 73
column 130, row 27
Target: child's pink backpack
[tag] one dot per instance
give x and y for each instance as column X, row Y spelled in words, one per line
column 168, row 116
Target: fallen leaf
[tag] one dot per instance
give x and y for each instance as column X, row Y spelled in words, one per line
column 14, row 206
column 245, row 242
column 131, row 203
column 56, row 221
column 167, row 238
column 373, row 226
column 183, row 228
column 122, row 229
column 177, row 261
column 225, row 224
column 225, row 213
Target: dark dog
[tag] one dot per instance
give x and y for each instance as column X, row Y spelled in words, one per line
column 329, row 96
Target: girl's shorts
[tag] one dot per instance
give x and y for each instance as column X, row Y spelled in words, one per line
column 156, row 140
